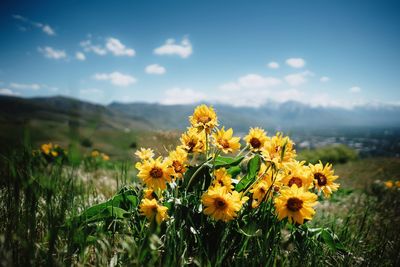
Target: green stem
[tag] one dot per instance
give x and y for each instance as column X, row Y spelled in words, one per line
column 241, row 151
column 195, row 174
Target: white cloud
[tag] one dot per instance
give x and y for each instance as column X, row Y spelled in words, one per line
column 118, row 49
column 44, row 27
column 89, row 47
column 297, row 79
column 180, row 96
column 296, row 62
column 6, row 91
column 112, row 45
column 324, row 79
column 33, row 86
column 257, row 81
column 231, row 86
column 155, row 69
column 184, row 49
column 80, row 56
column 355, row 89
column 50, row 52
column 273, row 65
column 116, row 78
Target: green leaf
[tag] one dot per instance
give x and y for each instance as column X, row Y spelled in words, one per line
column 252, row 170
column 224, row 162
column 234, row 171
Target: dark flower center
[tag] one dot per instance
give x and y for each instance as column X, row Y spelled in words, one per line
column 224, row 143
column 255, row 142
column 320, row 178
column 262, row 190
column 204, row 119
column 294, row 204
column 295, row 180
column 156, row 173
column 177, row 166
column 220, row 203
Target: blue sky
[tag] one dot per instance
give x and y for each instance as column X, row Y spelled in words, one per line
column 244, row 53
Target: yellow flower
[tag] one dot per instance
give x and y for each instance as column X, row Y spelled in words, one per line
column 193, row 141
column 389, row 184
column 298, row 174
column 256, row 139
column 324, row 178
column 267, row 184
column 397, row 184
column 105, row 157
column 149, row 193
column 221, row 205
column 144, row 153
column 222, row 179
column 204, row 118
column 177, row 159
column 95, row 154
column 152, row 210
column 155, row 173
column 295, row 204
column 224, row 140
column 279, row 150
column 46, row 148
column 54, row 153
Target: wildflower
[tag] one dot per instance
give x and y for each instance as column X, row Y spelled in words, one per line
column 177, row 159
column 389, row 184
column 105, row 157
column 256, row 139
column 295, row 204
column 267, row 184
column 279, row 150
column 222, row 179
column 298, row 174
column 324, row 178
column 46, row 148
column 224, row 140
column 204, row 118
column 221, row 205
column 397, row 183
column 155, row 173
column 149, row 193
column 144, row 153
column 152, row 210
column 95, row 154
column 193, row 141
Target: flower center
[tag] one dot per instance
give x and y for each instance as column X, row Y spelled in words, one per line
column 255, row 142
column 320, row 178
column 204, row 119
column 295, row 180
column 177, row 166
column 262, row 190
column 224, row 143
column 220, row 203
column 294, row 204
column 156, row 173
column 191, row 145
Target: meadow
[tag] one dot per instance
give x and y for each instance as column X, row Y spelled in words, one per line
column 60, row 209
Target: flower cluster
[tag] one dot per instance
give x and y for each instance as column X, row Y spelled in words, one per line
column 51, row 152
column 272, row 175
column 392, row 184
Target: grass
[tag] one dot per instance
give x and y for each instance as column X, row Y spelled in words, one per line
column 357, row 226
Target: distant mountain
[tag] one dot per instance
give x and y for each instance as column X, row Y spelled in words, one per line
column 274, row 116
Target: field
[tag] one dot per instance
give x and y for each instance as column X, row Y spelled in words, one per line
column 362, row 220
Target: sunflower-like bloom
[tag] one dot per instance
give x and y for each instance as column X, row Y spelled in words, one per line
column 295, row 204
column 178, row 161
column 155, row 173
column 46, row 148
column 204, row 118
column 152, row 210
column 324, row 178
column 224, row 140
column 279, row 149
column 144, row 153
column 397, row 183
column 298, row 174
column 389, row 184
column 105, row 157
column 221, row 205
column 193, row 141
column 222, row 179
column 256, row 139
column 149, row 193
column 266, row 186
column 95, row 154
